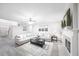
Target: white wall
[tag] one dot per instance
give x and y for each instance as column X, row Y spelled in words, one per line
column 78, row 30
column 53, row 29
column 75, row 33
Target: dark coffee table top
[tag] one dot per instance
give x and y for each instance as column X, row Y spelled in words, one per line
column 37, row 39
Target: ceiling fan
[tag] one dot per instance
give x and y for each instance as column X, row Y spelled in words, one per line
column 30, row 20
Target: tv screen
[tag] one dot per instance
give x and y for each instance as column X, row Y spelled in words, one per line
column 67, row 21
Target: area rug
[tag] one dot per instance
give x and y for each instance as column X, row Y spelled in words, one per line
column 34, row 50
column 46, row 46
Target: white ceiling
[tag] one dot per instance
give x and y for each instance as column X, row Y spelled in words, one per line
column 37, row 11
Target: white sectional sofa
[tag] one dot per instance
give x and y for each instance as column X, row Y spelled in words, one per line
column 23, row 38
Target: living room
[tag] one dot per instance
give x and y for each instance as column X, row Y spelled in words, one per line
column 37, row 29
column 28, row 21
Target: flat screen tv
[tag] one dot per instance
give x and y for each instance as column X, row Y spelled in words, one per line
column 67, row 19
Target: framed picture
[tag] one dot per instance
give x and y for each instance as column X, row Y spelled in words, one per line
column 42, row 29
column 39, row 29
column 46, row 29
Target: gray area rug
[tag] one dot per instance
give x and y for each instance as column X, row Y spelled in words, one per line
column 34, row 50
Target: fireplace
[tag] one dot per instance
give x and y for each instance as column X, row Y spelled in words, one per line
column 68, row 45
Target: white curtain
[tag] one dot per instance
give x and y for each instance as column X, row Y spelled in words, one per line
column 4, row 28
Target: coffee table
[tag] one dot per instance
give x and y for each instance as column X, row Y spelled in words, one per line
column 38, row 41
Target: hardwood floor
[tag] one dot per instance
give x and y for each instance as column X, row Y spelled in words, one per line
column 8, row 48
